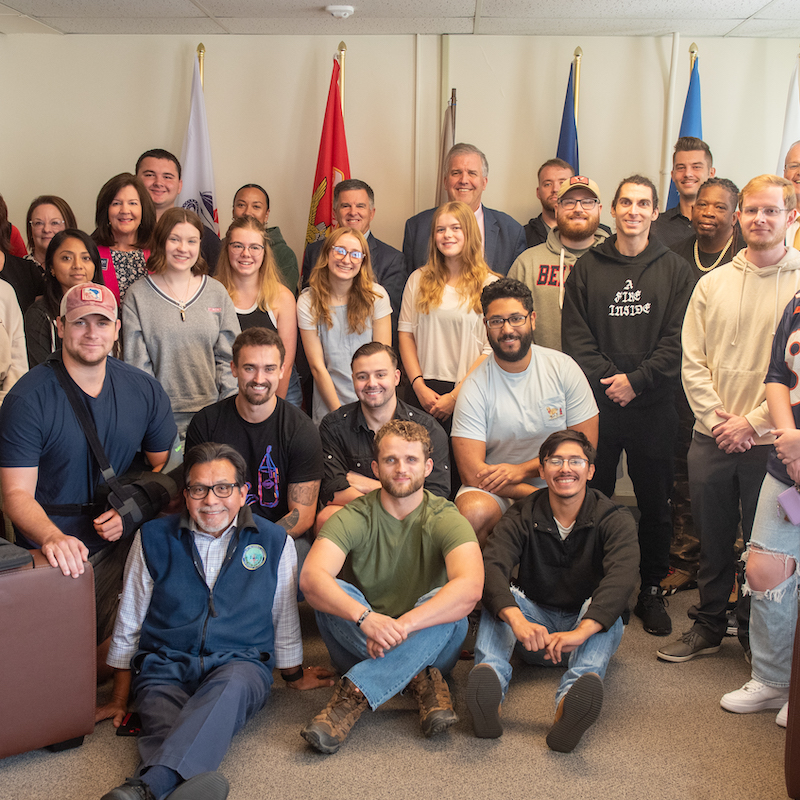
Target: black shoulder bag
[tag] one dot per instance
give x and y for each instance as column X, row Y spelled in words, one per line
column 138, row 496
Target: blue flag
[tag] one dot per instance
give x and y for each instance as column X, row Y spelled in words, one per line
column 568, row 137
column 691, row 122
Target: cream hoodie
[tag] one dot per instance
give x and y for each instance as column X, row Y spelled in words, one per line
column 727, row 339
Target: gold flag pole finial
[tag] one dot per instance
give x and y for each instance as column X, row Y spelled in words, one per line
column 201, row 57
column 692, row 55
column 342, row 50
column 578, row 56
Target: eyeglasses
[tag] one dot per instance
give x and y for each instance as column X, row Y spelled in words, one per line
column 199, row 491
column 587, row 203
column 355, row 255
column 793, row 167
column 770, row 212
column 238, row 247
column 39, row 225
column 573, row 461
column 515, row 321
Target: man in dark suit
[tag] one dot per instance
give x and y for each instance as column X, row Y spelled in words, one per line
column 354, row 207
column 465, row 177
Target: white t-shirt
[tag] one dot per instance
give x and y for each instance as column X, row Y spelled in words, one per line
column 514, row 412
column 450, row 337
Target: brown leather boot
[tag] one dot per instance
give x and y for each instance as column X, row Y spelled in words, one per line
column 432, row 694
column 330, row 727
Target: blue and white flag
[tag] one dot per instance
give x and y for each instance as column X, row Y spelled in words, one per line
column 568, row 136
column 198, row 170
column 691, row 122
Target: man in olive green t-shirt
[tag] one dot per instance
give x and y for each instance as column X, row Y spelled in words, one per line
column 411, row 573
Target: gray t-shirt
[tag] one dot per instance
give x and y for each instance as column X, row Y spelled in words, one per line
column 513, row 413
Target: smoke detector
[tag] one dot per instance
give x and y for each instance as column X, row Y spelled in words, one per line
column 340, row 12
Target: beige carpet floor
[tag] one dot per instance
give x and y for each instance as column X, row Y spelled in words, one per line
column 662, row 734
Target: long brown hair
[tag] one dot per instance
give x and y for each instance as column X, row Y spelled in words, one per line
column 361, row 297
column 474, row 269
column 157, row 263
column 268, row 281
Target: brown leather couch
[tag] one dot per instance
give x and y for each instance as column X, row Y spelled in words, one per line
column 47, row 658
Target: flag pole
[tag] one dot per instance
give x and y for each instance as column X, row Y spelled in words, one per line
column 201, row 57
column 342, row 49
column 578, row 56
column 692, row 56
column 453, row 104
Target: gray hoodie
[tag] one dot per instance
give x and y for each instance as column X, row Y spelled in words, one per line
column 543, row 269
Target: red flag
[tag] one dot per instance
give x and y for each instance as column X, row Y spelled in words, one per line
column 333, row 164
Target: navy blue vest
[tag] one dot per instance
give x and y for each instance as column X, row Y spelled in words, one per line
column 189, row 630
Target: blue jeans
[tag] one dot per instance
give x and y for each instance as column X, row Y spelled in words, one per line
column 773, row 613
column 381, row 678
column 496, row 642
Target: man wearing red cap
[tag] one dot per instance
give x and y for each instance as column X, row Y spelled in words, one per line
column 48, row 472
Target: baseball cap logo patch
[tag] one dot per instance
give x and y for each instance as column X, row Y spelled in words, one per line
column 91, row 294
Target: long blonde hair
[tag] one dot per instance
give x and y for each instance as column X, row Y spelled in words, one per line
column 474, row 269
column 269, row 282
column 361, row 296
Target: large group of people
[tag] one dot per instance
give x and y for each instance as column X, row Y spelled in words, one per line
column 403, row 439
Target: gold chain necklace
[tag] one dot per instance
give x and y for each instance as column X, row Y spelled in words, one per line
column 716, row 263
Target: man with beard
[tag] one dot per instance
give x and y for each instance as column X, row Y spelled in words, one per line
column 411, row 571
column 551, row 176
column 717, row 237
column 544, row 268
column 49, row 474
column 509, row 405
column 691, row 168
column 348, row 432
column 278, row 442
column 727, row 338
column 577, row 557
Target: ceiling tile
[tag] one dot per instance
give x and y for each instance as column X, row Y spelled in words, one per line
column 97, row 9
column 119, row 27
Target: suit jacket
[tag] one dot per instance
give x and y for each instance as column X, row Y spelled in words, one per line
column 387, row 264
column 505, row 240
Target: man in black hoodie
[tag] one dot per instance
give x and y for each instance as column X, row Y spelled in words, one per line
column 623, row 309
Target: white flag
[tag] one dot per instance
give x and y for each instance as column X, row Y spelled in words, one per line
column 198, row 169
column 791, row 122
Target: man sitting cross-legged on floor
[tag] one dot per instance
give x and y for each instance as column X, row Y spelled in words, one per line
column 412, row 572
column 578, row 558
column 208, row 610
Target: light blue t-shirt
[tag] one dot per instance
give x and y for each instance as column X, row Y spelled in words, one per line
column 514, row 412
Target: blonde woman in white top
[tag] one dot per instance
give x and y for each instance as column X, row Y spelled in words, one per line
column 441, row 333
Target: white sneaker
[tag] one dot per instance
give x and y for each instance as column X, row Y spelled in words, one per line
column 754, row 696
column 783, row 715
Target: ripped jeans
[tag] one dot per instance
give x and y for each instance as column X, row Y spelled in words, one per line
column 773, row 613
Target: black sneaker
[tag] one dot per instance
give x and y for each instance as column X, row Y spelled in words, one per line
column 651, row 609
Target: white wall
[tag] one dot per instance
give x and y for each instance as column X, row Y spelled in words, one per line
column 75, row 110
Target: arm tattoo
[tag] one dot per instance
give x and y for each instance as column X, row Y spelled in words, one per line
column 305, row 494
column 290, row 520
